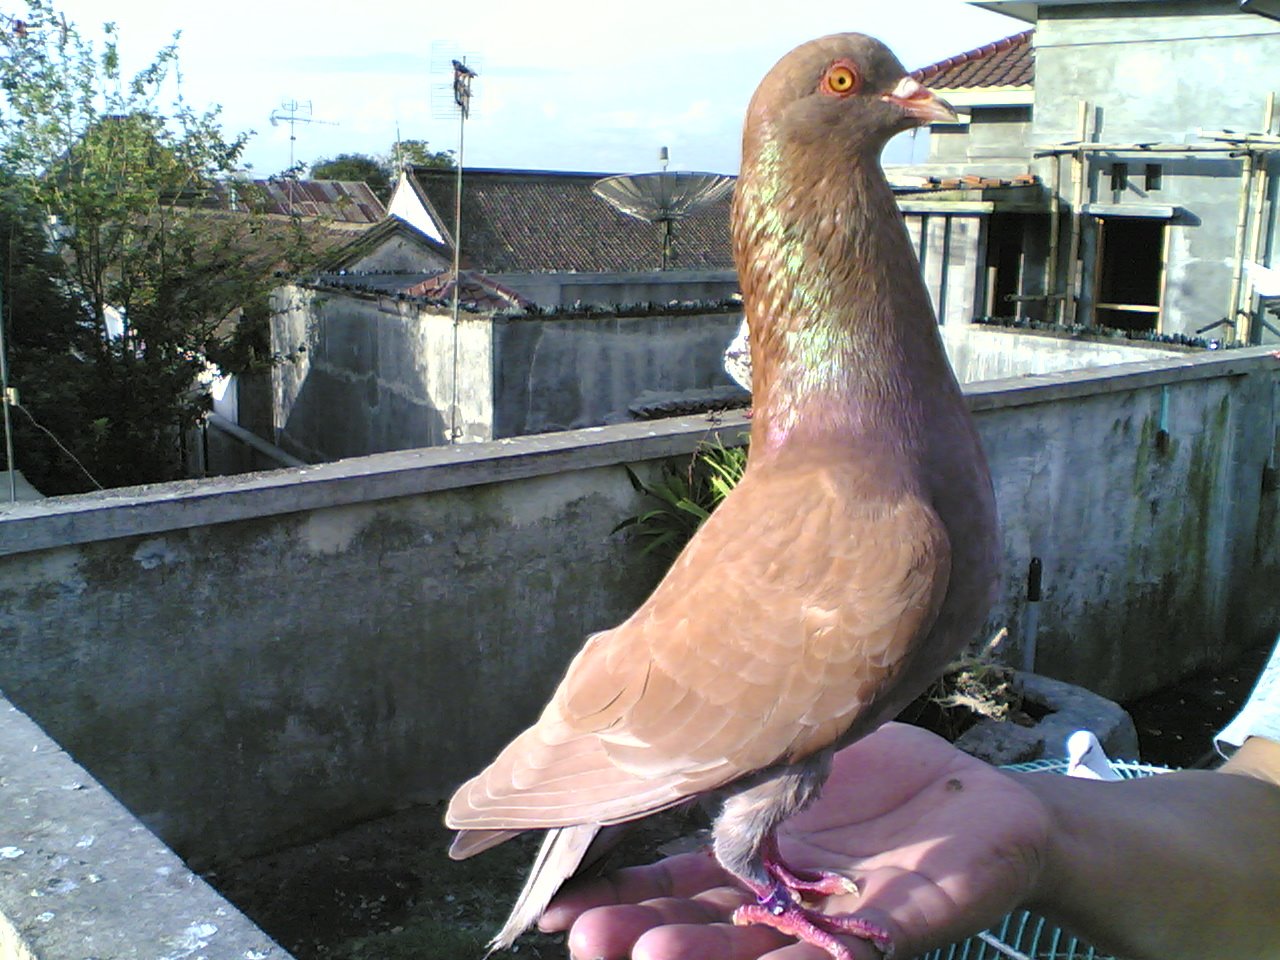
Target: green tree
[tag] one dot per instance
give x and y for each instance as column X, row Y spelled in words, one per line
column 420, row 154
column 355, row 166
column 161, row 281
column 381, row 173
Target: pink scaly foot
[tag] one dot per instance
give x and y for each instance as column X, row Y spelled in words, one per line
column 802, row 882
column 778, row 910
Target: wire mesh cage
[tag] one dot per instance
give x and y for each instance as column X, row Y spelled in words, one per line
column 1023, row 935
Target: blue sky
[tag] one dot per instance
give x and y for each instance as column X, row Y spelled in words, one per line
column 565, row 84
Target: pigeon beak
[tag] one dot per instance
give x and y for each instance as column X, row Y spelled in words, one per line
column 920, row 103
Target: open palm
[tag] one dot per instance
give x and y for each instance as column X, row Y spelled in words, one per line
column 940, row 845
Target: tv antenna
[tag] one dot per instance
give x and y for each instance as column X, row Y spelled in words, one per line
column 294, row 112
column 447, row 101
column 663, row 197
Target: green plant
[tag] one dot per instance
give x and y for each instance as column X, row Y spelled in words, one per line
column 686, row 495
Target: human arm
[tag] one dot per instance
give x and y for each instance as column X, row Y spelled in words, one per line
column 1181, row 865
column 942, row 845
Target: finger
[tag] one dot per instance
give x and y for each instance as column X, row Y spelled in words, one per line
column 795, row 950
column 720, row 940
column 682, row 876
column 612, row 931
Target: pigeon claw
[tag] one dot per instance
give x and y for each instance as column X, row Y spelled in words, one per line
column 788, row 917
column 818, row 883
column 801, row 882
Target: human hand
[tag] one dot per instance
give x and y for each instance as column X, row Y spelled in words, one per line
column 940, row 845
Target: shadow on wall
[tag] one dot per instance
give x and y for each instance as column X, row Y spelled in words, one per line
column 334, row 417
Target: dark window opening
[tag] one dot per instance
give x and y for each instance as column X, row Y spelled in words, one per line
column 1130, row 255
column 1005, row 244
column 1153, row 177
column 1119, row 177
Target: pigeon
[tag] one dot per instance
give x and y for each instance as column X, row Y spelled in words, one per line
column 1087, row 760
column 855, row 557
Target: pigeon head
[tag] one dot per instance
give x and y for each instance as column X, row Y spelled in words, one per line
column 841, row 95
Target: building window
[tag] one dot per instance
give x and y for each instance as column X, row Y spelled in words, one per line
column 1119, row 178
column 1153, row 178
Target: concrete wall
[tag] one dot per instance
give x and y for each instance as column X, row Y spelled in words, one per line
column 369, row 374
column 980, row 353
column 991, row 135
column 252, row 660
column 561, row 373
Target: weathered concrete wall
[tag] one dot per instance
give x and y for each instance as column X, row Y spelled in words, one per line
column 370, row 374
column 567, row 372
column 1150, row 501
column 248, row 660
column 253, row 660
column 992, row 135
column 992, row 353
column 367, row 374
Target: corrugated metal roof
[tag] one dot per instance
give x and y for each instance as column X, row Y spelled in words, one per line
column 343, row 201
column 1004, row 63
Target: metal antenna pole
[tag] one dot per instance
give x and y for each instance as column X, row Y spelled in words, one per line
column 293, row 117
column 462, row 77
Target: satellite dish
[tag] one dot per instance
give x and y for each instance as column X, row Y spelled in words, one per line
column 662, row 197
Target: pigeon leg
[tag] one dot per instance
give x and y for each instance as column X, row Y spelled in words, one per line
column 779, row 910
column 800, row 882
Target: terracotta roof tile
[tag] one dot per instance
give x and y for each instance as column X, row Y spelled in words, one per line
column 529, row 220
column 1005, row 63
column 477, row 292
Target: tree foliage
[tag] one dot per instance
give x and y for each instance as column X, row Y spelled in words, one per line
column 420, row 154
column 381, row 173
column 355, row 166
column 119, row 178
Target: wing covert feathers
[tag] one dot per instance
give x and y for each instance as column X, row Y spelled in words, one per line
column 797, row 603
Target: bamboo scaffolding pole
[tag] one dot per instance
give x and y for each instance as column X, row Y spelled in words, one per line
column 1237, row 255
column 1055, row 228
column 1079, row 177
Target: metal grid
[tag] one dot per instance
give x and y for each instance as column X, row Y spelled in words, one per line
column 1023, row 935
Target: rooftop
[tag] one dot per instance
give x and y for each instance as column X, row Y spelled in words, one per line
column 540, row 221
column 342, row 201
column 1003, row 63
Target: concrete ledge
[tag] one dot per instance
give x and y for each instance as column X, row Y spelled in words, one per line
column 80, row 877
column 134, row 511
column 1118, row 378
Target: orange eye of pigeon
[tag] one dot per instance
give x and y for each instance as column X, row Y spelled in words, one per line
column 840, row 79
